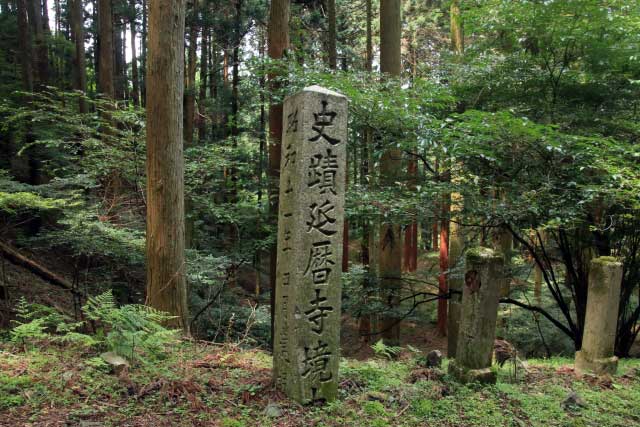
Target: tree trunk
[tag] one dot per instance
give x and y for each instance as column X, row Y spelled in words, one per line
column 143, row 54
column 235, row 101
column 410, row 255
column 58, row 12
column 79, row 65
column 105, row 83
column 457, row 35
column 261, row 156
column 202, row 96
column 367, row 238
column 45, row 18
column 166, row 282
column 120, row 78
column 135, row 79
column 224, row 117
column 24, row 42
column 213, row 88
column 333, row 64
column 41, row 58
column 443, row 287
column 190, row 86
column 46, row 34
column 235, row 76
column 278, row 43
column 435, row 236
column 96, row 43
column 454, row 282
column 332, row 35
column 390, row 263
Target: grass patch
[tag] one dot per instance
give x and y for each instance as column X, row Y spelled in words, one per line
column 227, row 386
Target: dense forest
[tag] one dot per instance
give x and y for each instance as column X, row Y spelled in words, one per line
column 476, row 197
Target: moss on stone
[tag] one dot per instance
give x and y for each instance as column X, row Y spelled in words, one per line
column 481, row 254
column 606, row 260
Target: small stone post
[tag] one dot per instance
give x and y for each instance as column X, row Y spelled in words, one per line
column 310, row 228
column 479, row 311
column 601, row 319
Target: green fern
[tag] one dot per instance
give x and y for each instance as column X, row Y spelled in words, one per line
column 29, row 331
column 100, row 307
column 381, row 349
column 132, row 331
column 23, row 309
column 31, row 323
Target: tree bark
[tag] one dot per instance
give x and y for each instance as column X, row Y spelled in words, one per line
column 224, row 117
column 202, row 96
column 332, row 35
column 190, row 85
column 235, row 76
column 367, row 232
column 95, row 16
column 455, row 282
column 135, row 79
column 41, row 58
column 166, row 281
column 390, row 263
column 367, row 238
column 213, row 87
column 457, row 35
column 235, row 110
column 58, row 12
column 277, row 45
column 105, row 16
column 26, row 50
column 120, row 61
column 45, row 18
column 79, row 64
column 410, row 255
column 143, row 54
column 443, row 287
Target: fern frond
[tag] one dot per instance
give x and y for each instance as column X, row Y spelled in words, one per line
column 100, row 306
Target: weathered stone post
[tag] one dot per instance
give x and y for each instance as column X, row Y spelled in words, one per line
column 479, row 311
column 310, row 227
column 601, row 319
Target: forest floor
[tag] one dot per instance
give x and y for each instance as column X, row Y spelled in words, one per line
column 200, row 384
column 204, row 384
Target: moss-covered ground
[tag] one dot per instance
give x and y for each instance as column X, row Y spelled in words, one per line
column 205, row 385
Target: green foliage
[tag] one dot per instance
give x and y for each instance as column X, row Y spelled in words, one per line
column 132, row 331
column 32, row 330
column 374, row 408
column 8, row 387
column 232, row 422
column 532, row 334
column 383, row 350
column 21, row 202
column 35, row 322
column 376, row 392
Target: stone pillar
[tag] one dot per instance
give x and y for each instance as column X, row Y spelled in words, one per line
column 479, row 311
column 601, row 319
column 310, row 229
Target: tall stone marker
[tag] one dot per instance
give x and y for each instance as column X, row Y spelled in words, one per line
column 310, row 229
column 479, row 311
column 601, row 319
